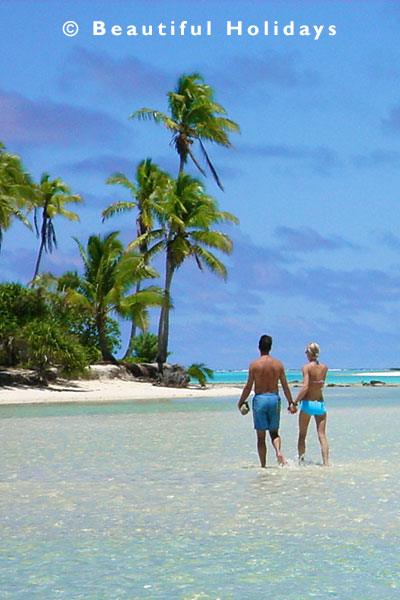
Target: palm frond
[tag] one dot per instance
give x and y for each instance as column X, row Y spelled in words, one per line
column 146, row 238
column 147, row 114
column 200, row 168
column 121, row 179
column 210, row 261
column 213, row 239
column 116, row 208
column 211, row 166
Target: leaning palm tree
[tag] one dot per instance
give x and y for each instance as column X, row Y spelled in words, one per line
column 14, row 184
column 186, row 232
column 109, row 273
column 194, row 115
column 50, row 197
column 148, row 194
column 200, row 372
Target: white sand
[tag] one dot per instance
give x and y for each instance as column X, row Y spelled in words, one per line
column 107, row 391
column 383, row 374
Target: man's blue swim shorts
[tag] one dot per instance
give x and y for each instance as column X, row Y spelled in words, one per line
column 266, row 411
column 313, row 407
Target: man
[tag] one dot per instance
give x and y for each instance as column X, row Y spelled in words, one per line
column 265, row 373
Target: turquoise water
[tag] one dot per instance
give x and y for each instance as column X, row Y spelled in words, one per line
column 338, row 376
column 164, row 500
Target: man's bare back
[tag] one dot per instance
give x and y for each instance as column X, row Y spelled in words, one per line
column 266, row 372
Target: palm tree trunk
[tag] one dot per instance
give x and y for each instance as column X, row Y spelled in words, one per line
column 163, row 326
column 181, row 163
column 132, row 336
column 43, row 231
column 140, row 230
column 105, row 352
column 39, row 257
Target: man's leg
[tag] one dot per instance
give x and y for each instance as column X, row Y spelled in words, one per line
column 320, row 421
column 276, row 442
column 261, row 447
column 304, row 420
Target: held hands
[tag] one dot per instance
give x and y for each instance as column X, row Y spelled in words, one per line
column 292, row 408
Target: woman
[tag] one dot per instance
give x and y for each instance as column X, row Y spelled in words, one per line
column 312, row 402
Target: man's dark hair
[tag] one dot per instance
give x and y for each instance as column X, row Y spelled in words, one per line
column 265, row 343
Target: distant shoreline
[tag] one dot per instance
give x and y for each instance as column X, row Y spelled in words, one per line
column 297, row 384
column 106, row 390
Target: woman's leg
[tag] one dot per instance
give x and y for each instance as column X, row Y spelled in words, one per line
column 320, row 421
column 304, row 420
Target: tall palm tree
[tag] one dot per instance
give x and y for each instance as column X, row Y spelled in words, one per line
column 50, row 197
column 194, row 115
column 109, row 273
column 14, row 182
column 148, row 193
column 186, row 232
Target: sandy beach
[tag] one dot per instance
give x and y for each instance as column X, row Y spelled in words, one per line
column 108, row 391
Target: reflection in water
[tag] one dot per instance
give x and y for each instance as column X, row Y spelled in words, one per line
column 167, row 502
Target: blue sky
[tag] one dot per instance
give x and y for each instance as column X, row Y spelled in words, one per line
column 313, row 177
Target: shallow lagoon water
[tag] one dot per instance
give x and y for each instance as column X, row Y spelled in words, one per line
column 334, row 376
column 164, row 500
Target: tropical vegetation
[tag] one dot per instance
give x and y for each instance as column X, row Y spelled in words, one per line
column 185, row 232
column 13, row 183
column 71, row 321
column 37, row 331
column 109, row 273
column 200, row 373
column 194, row 116
column 148, row 194
column 144, row 348
column 49, row 198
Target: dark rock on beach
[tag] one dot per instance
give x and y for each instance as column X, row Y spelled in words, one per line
column 143, row 370
column 172, row 375
column 25, row 377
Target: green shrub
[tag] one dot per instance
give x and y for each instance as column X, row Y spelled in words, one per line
column 144, row 348
column 47, row 345
column 39, row 330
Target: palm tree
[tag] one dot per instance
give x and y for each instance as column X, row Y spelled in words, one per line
column 109, row 273
column 51, row 197
column 13, row 185
column 148, row 193
column 194, row 116
column 188, row 216
column 200, row 372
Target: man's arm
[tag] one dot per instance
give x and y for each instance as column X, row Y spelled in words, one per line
column 247, row 388
column 286, row 389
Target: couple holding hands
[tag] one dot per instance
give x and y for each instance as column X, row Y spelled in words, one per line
column 265, row 373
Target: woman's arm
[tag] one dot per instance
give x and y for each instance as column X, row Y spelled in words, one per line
column 304, row 388
column 286, row 388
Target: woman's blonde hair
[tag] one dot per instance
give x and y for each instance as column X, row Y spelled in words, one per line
column 313, row 349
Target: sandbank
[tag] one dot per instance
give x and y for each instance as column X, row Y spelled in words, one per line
column 108, row 391
column 382, row 374
column 104, row 390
